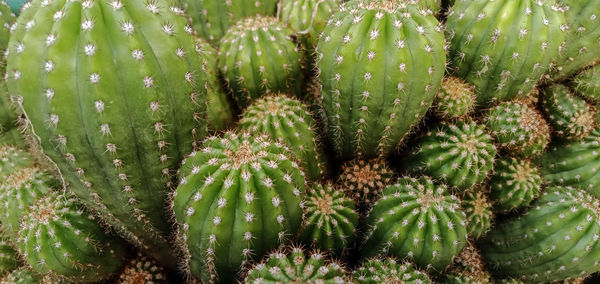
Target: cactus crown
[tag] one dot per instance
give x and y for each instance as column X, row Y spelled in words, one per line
column 142, row 269
column 455, row 99
column 570, row 116
column 388, row 270
column 515, row 183
column 363, row 180
column 478, row 209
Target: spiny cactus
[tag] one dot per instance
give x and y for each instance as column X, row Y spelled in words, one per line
column 7, row 20
column 116, row 96
column 363, row 180
column 456, row 99
column 142, row 269
column 514, row 184
column 9, row 259
column 570, row 116
column 468, row 267
column 417, row 219
column 257, row 56
column 587, row 84
column 388, row 270
column 23, row 276
column 555, row 240
column 518, row 128
column 9, row 126
column 330, row 220
column 59, row 237
column 239, row 197
column 460, row 154
column 288, row 121
column 308, row 18
column 478, row 209
column 504, row 47
column 374, row 88
column 291, row 265
column 13, row 159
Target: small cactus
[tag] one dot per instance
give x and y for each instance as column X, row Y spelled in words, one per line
column 514, row 184
column 364, row 180
column 570, row 116
column 455, row 99
column 388, row 270
column 478, row 209
column 23, row 276
column 9, row 259
column 587, row 84
column 468, row 268
column 141, row 270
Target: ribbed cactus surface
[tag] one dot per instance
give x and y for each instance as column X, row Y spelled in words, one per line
column 9, row 259
column 514, row 184
column 587, row 84
column 456, row 99
column 571, row 117
column 388, row 270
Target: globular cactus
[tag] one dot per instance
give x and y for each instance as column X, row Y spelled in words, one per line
column 9, row 259
column 23, row 276
column 504, row 47
column 587, row 84
column 374, row 89
column 308, row 18
column 555, row 240
column 330, row 220
column 115, row 94
column 291, row 265
column 388, row 270
column 13, row 159
column 58, row 237
column 455, row 99
column 363, row 180
column 239, row 196
column 142, row 269
column 570, row 116
column 515, row 184
column 257, row 56
column 419, row 220
column 288, row 121
column 478, row 210
column 518, row 128
column 460, row 154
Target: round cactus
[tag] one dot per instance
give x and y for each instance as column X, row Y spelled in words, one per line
column 115, row 93
column 555, row 240
column 236, row 190
column 364, row 180
column 456, row 99
column 288, row 121
column 13, row 159
column 388, row 270
column 501, row 47
column 478, row 209
column 515, row 183
column 142, row 269
column 308, row 18
column 330, row 220
column 380, row 65
column 587, row 84
column 460, row 154
column 9, row 259
column 292, row 266
column 23, row 276
column 418, row 219
column 518, row 128
column 59, row 237
column 258, row 57
column 570, row 116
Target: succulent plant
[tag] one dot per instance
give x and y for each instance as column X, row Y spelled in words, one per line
column 291, row 265
column 117, row 129
column 456, row 99
column 587, row 84
column 460, row 154
column 239, row 197
column 9, row 259
column 7, row 20
column 388, row 270
column 363, row 180
column 257, row 56
column 478, row 209
column 468, row 267
column 22, row 276
column 288, row 121
column 518, row 128
column 501, row 47
column 9, row 126
column 13, row 159
column 308, row 18
column 514, row 184
column 142, row 269
column 570, row 116
column 330, row 220
column 374, row 90
column 555, row 240
column 417, row 219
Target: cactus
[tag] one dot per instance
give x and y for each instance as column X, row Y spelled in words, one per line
column 587, row 84
column 417, row 219
column 460, row 154
column 9, row 260
column 514, row 184
column 388, row 270
column 22, row 276
column 364, row 180
column 58, row 237
column 13, row 159
column 9, row 126
column 236, row 190
column 501, row 47
column 518, row 128
column 555, row 240
column 570, row 116
column 257, row 56
column 288, row 121
column 330, row 220
column 308, row 18
column 142, row 269
column 478, row 209
column 7, row 20
column 292, row 266
column 456, row 99
column 374, row 89
column 468, row 267
column 115, row 93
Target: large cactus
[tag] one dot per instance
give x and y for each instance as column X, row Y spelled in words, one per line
column 504, row 47
column 116, row 95
column 380, row 65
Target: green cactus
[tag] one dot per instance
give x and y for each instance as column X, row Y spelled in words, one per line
column 364, row 180
column 9, row 259
column 478, row 209
column 587, row 84
column 22, row 276
column 504, row 47
column 308, row 18
column 555, row 240
column 9, row 120
column 59, row 237
column 456, row 99
column 115, row 93
column 417, row 219
column 142, row 269
column 380, row 65
column 518, row 128
column 514, row 184
column 257, row 57
column 7, row 20
column 291, row 265
column 468, row 267
column 330, row 220
column 239, row 197
column 460, row 154
column 288, row 121
column 13, row 159
column 570, row 116
column 388, row 270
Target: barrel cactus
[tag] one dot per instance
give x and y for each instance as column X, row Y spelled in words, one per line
column 374, row 89
column 363, row 180
column 514, row 184
column 456, row 99
column 388, row 270
column 478, row 209
column 570, row 116
column 142, row 269
column 587, row 84
column 501, row 47
column 236, row 190
column 417, row 219
column 308, row 18
column 9, row 259
column 555, row 240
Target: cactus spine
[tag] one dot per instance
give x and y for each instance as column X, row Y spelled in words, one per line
column 364, row 180
column 570, row 116
column 456, row 99
column 515, row 183
column 388, row 270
